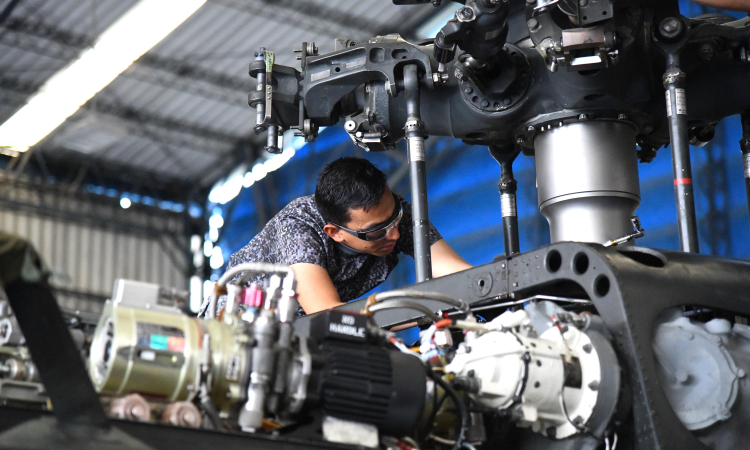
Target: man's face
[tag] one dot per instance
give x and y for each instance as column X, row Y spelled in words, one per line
column 361, row 220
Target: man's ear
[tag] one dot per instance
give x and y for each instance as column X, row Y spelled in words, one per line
column 333, row 232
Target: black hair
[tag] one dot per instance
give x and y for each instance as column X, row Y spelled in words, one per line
column 348, row 183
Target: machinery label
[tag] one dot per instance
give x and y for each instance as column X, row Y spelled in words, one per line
column 320, row 75
column 416, row 149
column 357, row 63
column 349, row 330
column 680, row 101
column 339, row 325
column 160, row 337
column 233, row 368
column 508, row 205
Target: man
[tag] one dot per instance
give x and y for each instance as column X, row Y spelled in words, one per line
column 344, row 240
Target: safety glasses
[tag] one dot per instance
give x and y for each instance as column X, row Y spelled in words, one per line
column 381, row 231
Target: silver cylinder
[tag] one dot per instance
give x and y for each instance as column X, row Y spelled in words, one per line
column 587, row 177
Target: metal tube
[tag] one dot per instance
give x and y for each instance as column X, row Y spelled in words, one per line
column 674, row 85
column 272, row 141
column 745, row 147
column 253, row 268
column 422, row 295
column 417, row 174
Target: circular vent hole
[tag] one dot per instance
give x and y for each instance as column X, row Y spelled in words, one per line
column 581, row 263
column 554, row 261
column 601, row 285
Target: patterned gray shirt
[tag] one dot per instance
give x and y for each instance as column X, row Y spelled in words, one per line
column 295, row 235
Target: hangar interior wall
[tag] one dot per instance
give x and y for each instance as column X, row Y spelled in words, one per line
column 88, row 245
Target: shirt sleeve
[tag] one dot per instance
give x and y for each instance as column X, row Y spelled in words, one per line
column 405, row 243
column 296, row 241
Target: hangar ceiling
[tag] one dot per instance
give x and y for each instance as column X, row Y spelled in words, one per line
column 176, row 120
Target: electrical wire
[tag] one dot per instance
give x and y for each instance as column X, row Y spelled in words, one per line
column 459, row 405
column 436, row 405
column 403, row 348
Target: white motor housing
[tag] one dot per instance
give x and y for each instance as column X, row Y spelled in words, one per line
column 551, row 380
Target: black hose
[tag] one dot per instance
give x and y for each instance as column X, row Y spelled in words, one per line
column 459, row 405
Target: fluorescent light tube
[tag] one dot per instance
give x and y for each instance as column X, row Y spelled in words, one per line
column 132, row 35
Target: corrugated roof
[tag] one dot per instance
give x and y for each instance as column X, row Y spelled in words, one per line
column 183, row 106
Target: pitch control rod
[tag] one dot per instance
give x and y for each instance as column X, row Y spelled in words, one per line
column 507, row 187
column 415, row 135
column 671, row 37
column 745, row 147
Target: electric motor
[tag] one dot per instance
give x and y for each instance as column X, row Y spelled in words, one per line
column 356, row 379
column 138, row 347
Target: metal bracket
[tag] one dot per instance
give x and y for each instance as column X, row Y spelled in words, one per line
column 269, row 87
column 637, row 232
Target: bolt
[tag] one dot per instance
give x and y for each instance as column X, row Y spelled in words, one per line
column 741, row 373
column 470, row 374
column 530, row 128
column 583, row 116
column 468, row 89
column 594, row 385
column 533, row 24
column 587, row 348
column 583, row 3
column 681, row 376
column 466, row 13
column 485, row 103
column 634, row 11
column 622, row 117
column 707, row 51
column 670, row 27
column 519, row 140
column 468, row 349
column 506, row 101
column 530, row 2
